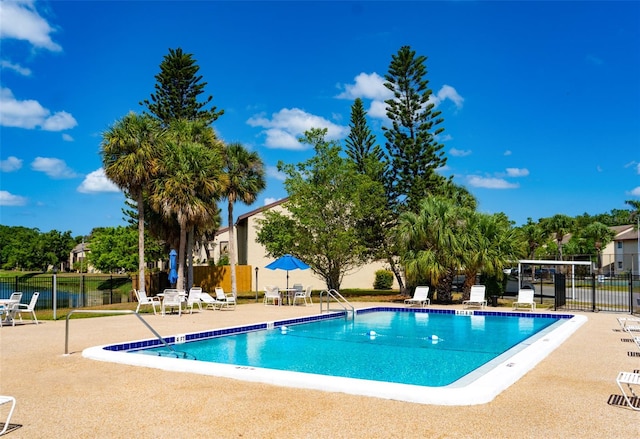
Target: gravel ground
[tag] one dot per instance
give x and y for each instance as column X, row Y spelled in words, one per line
column 570, row 394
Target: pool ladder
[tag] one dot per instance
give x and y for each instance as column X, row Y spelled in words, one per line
column 339, row 299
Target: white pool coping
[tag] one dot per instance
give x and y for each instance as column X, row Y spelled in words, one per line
column 506, row 370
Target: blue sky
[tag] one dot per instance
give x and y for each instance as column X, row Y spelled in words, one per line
column 541, row 100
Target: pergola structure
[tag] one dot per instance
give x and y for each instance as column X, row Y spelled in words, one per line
column 542, row 262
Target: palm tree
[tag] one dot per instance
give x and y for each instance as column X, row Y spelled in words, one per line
column 491, row 244
column 534, row 235
column 431, row 245
column 245, row 173
column 190, row 182
column 130, row 158
column 601, row 235
column 559, row 225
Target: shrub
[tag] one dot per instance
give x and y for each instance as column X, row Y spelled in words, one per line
column 384, row 280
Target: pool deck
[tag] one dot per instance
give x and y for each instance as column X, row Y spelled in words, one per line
column 571, row 393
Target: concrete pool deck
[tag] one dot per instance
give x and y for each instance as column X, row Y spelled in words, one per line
column 569, row 394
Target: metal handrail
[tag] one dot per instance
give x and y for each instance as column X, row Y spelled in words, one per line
column 339, row 298
column 111, row 311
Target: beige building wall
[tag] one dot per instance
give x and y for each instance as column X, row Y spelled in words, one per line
column 254, row 254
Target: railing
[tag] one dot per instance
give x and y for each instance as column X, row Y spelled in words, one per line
column 112, row 311
column 339, row 299
column 73, row 291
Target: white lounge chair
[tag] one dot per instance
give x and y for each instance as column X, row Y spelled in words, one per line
column 629, row 380
column 272, row 294
column 225, row 300
column 476, row 297
column 143, row 299
column 209, row 301
column 420, row 297
column 6, row 400
column 629, row 324
column 194, row 299
column 19, row 308
column 171, row 300
column 525, row 299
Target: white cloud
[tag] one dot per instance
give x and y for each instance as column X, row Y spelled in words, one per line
column 96, row 182
column 8, row 199
column 272, row 171
column 517, row 172
column 67, row 138
column 459, row 152
column 378, row 110
column 269, row 200
column 369, row 86
column 490, row 182
column 635, row 192
column 508, row 152
column 285, row 126
column 24, row 71
column 54, row 168
column 30, row 114
column 10, row 164
column 59, row 121
column 448, row 92
column 21, row 21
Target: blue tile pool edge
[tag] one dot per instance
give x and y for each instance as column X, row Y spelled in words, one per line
column 480, row 390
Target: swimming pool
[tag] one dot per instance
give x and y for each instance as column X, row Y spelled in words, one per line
column 418, row 355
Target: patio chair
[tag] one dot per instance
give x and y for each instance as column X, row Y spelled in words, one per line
column 302, row 295
column 143, row 299
column 629, row 380
column 172, row 299
column 477, row 297
column 194, row 299
column 19, row 308
column 225, row 300
column 6, row 400
column 8, row 304
column 272, row 293
column 420, row 297
column 525, row 299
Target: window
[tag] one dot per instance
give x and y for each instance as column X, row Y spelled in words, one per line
column 619, row 244
column 620, row 265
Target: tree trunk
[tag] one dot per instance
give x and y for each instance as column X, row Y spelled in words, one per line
column 190, row 258
column 181, row 252
column 141, row 263
column 232, row 251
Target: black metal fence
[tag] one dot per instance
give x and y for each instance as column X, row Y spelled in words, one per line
column 620, row 293
column 71, row 291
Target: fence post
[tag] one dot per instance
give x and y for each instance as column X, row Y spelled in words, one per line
column 55, row 292
column 593, row 292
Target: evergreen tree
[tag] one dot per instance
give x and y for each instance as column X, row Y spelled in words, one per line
column 177, row 91
column 414, row 152
column 361, row 147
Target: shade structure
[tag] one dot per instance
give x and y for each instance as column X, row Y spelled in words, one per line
column 287, row 262
column 173, row 265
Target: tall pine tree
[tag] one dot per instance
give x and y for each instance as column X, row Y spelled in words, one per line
column 177, row 91
column 414, row 152
column 361, row 145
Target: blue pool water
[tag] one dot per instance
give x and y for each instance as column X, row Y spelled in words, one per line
column 417, row 348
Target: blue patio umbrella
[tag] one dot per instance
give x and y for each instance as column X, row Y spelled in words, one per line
column 287, row 262
column 173, row 264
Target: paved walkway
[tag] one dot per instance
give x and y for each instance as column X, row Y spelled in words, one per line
column 567, row 395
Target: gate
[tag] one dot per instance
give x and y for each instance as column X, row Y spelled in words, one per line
column 596, row 293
